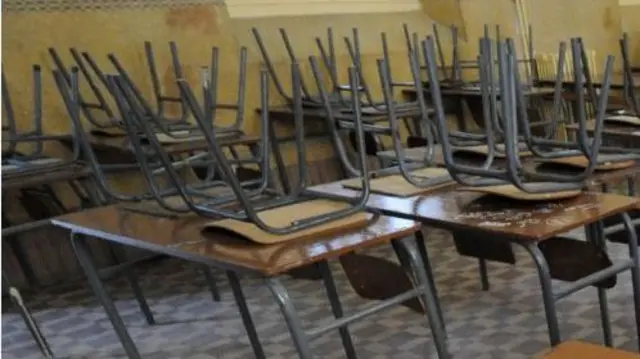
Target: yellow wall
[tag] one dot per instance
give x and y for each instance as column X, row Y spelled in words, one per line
column 27, row 33
column 630, row 10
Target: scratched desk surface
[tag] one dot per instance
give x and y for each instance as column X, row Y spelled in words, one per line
column 472, row 211
column 184, row 238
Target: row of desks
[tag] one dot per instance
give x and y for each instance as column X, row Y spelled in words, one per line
column 526, row 225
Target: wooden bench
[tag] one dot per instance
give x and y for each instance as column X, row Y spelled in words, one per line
column 582, row 350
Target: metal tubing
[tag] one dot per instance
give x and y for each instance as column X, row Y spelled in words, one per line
column 438, row 330
column 592, row 278
column 365, row 312
column 290, row 314
column 635, row 269
column 249, row 326
column 29, row 321
column 211, row 283
column 336, row 308
column 547, row 290
column 484, row 274
column 595, row 235
column 422, row 249
column 84, row 257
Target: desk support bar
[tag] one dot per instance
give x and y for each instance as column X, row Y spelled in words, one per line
column 593, row 278
column 407, row 253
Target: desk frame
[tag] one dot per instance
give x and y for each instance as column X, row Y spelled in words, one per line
column 408, row 254
column 595, row 234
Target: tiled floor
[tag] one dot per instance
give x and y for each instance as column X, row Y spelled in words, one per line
column 505, row 322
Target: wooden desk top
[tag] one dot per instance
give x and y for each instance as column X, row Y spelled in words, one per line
column 182, row 238
column 583, row 350
column 457, row 210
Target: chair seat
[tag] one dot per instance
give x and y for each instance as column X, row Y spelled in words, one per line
column 582, row 350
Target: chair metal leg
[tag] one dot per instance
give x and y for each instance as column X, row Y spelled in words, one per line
column 290, row 314
column 84, row 257
column 336, row 308
column 249, row 326
column 28, row 319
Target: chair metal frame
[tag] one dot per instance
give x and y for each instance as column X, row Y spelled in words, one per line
column 247, row 202
column 511, row 99
column 16, row 163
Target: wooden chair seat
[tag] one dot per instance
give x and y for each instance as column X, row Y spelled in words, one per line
column 582, row 350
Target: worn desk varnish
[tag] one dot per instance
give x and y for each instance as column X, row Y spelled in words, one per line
column 183, row 237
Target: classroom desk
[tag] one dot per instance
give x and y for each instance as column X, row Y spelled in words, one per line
column 530, row 225
column 455, row 98
column 182, row 238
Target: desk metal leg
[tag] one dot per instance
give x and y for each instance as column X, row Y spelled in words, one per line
column 484, row 274
column 422, row 249
column 132, row 279
column 547, row 291
column 291, row 316
column 336, row 308
column 84, row 257
column 249, row 326
column 631, row 186
column 595, row 234
column 432, row 306
column 211, row 282
column 635, row 270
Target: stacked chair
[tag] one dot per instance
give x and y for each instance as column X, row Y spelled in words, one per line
column 235, row 199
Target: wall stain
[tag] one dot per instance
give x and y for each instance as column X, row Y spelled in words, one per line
column 607, row 18
column 198, row 17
